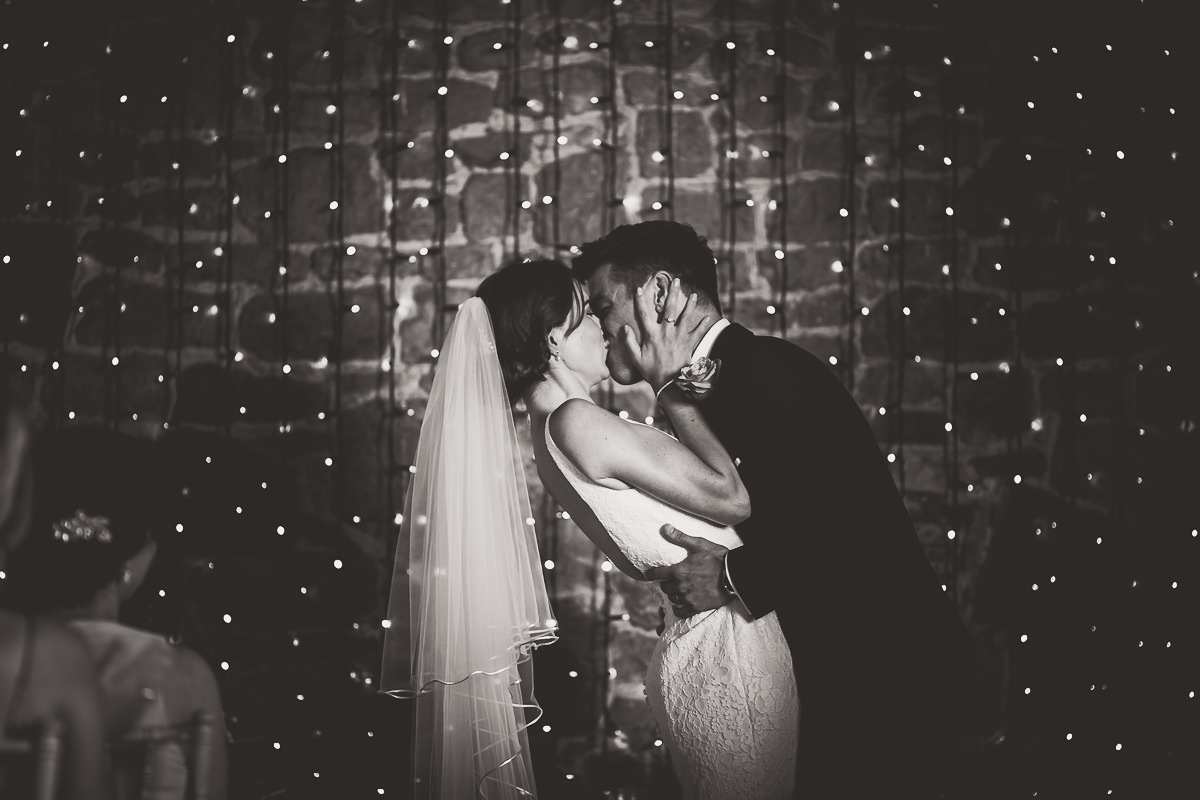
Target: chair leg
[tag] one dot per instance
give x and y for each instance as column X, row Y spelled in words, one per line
column 49, row 754
column 202, row 733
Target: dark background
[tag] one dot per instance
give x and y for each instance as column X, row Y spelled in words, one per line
column 982, row 212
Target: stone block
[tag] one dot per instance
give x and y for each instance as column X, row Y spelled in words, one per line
column 705, row 211
column 310, row 176
column 688, row 45
column 807, row 267
column 690, row 149
column 113, row 205
column 1096, row 324
column 923, row 261
column 248, row 263
column 207, row 394
column 202, row 207
column 308, row 113
column 648, row 89
column 477, row 51
column 149, row 315
column 487, row 207
column 995, row 406
column 1026, row 462
column 313, row 326
column 37, row 268
column 797, row 47
column 812, row 212
column 879, row 384
column 1006, row 186
column 532, row 94
column 923, row 205
column 122, row 247
column 464, row 101
column 95, row 389
column 987, row 338
column 484, row 152
column 419, row 215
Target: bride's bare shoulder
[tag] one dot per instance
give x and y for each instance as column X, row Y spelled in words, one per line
column 586, row 432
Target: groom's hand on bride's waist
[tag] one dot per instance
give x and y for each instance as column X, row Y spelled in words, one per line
column 693, row 584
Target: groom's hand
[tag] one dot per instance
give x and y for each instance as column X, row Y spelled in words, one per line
column 694, row 584
column 665, row 338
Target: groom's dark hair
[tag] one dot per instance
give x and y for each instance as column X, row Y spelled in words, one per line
column 638, row 250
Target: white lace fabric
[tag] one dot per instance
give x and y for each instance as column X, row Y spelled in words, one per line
column 720, row 684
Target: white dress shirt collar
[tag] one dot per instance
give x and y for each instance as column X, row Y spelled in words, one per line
column 708, row 340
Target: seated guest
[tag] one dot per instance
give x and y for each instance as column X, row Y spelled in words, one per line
column 90, row 551
column 45, row 671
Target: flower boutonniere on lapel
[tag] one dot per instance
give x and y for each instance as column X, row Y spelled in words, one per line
column 698, row 378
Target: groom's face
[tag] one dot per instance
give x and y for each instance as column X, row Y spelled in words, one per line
column 612, row 303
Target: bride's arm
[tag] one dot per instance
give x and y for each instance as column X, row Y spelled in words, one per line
column 694, row 474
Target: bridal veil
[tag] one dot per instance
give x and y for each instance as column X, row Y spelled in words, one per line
column 468, row 601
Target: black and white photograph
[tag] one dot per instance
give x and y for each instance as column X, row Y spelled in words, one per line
column 599, row 400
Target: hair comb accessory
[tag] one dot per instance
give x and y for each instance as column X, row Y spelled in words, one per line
column 83, row 528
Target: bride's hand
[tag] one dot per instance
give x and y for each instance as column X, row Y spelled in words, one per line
column 667, row 334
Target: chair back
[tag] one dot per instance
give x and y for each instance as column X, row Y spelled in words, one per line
column 38, row 755
column 194, row 739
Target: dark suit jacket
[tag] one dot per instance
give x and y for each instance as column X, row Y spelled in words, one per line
column 882, row 659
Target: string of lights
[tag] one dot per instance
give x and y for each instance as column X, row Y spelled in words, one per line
column 551, row 514
column 901, row 205
column 779, row 154
column 1022, row 668
column 336, row 147
column 175, row 308
column 393, row 468
column 516, row 200
column 280, row 122
column 845, row 267
column 666, row 28
column 612, row 131
column 111, row 222
column 223, row 302
column 951, row 365
column 614, row 193
column 729, row 209
column 443, row 153
column 60, row 67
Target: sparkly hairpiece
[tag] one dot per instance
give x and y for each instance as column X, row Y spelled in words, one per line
column 83, row 528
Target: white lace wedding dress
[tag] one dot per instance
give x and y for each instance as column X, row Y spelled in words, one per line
column 720, row 684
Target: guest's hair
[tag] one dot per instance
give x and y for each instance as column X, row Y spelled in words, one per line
column 100, row 473
column 526, row 300
column 636, row 251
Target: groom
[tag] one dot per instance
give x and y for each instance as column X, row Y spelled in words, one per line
column 882, row 660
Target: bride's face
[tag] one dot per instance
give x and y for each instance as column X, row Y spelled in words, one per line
column 582, row 345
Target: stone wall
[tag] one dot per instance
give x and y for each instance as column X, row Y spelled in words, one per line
column 972, row 212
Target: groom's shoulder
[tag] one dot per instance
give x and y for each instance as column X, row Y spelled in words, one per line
column 765, row 350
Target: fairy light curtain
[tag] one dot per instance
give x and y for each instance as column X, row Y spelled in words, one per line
column 1057, row 502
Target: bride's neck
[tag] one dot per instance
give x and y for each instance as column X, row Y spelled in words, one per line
column 559, row 386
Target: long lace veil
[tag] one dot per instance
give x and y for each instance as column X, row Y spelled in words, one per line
column 468, row 601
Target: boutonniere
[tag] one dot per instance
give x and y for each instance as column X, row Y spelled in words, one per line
column 698, row 378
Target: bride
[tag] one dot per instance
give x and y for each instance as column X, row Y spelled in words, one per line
column 720, row 684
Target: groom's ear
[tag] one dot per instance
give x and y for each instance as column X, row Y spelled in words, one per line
column 662, row 285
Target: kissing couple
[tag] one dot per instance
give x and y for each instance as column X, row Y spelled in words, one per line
column 809, row 649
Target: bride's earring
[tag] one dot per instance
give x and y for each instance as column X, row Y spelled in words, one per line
column 127, row 576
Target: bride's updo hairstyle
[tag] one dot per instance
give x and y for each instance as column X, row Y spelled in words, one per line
column 526, row 300
column 95, row 495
